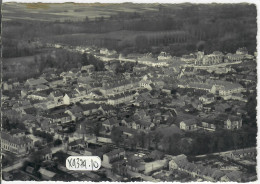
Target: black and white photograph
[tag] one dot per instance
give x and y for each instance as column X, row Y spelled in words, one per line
column 125, row 92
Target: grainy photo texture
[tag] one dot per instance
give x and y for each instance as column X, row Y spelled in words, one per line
column 128, row 92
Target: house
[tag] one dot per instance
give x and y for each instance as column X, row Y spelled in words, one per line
column 61, row 117
column 164, row 56
column 45, row 153
column 231, row 88
column 188, row 125
column 76, row 144
column 222, row 107
column 56, row 82
column 155, row 165
column 80, row 91
column 34, row 82
column 235, row 176
column 233, row 123
column 89, row 108
column 119, row 86
column 242, row 51
column 206, row 125
column 207, row 99
column 66, row 99
column 135, row 166
column 119, row 168
column 105, row 51
column 167, row 89
column 169, row 114
column 142, row 125
column 88, row 68
column 57, row 96
column 175, row 162
column 16, row 143
column 145, row 84
column 110, row 123
column 68, row 77
column 233, row 57
column 95, row 94
column 142, row 115
column 41, row 87
column 83, row 81
column 128, row 132
column 46, row 174
column 114, row 155
column 181, row 163
column 117, row 99
column 188, row 58
column 38, row 95
column 107, row 109
column 76, row 112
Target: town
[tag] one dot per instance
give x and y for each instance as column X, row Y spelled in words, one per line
column 129, row 92
column 148, row 117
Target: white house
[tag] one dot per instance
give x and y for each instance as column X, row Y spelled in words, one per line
column 233, row 123
column 188, row 125
column 66, row 100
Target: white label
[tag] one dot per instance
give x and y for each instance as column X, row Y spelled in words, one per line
column 83, row 163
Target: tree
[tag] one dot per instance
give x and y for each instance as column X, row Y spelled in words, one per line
column 96, row 129
column 84, row 59
column 57, row 142
column 184, row 146
column 36, row 158
column 141, row 42
column 221, row 144
column 37, row 144
column 116, row 136
column 6, row 125
column 156, row 139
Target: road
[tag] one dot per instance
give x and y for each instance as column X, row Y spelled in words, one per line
column 19, row 163
column 222, row 153
column 212, row 66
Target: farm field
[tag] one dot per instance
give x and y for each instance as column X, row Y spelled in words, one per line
column 61, row 12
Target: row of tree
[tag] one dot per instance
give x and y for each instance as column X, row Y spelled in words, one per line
column 47, row 136
column 190, row 143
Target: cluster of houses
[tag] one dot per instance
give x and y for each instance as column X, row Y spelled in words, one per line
column 206, row 173
column 164, row 59
column 226, row 90
column 231, row 123
column 218, row 57
column 140, row 101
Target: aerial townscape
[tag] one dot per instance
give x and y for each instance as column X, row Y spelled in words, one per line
column 151, row 112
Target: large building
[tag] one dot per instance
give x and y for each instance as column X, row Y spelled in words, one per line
column 233, row 123
column 164, row 56
column 16, row 142
column 215, row 58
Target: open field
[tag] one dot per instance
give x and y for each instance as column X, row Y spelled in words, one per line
column 72, row 11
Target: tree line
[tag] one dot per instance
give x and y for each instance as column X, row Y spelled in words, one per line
column 189, row 143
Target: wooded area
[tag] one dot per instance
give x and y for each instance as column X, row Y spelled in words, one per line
column 223, row 27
